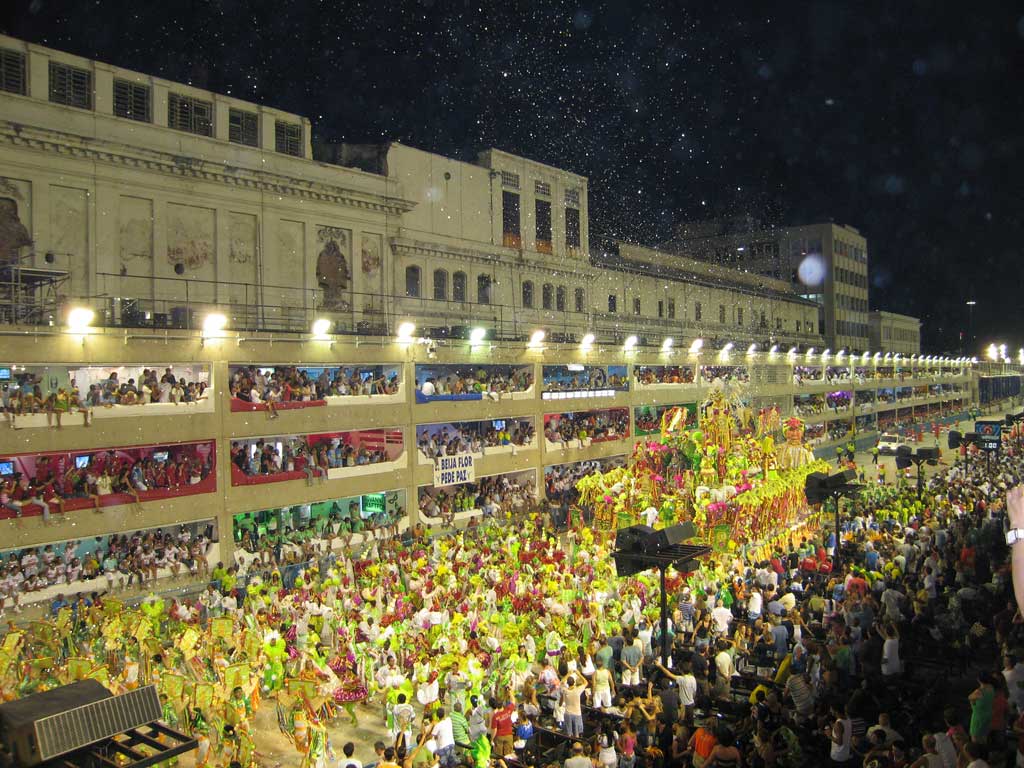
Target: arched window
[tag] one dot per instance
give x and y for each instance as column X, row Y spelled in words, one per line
column 581, row 300
column 547, row 296
column 560, row 298
column 483, row 289
column 440, row 285
column 412, row 282
column 527, row 294
column 459, row 286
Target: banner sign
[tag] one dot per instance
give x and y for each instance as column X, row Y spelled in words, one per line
column 453, row 470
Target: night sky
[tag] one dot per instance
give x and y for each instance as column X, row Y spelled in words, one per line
column 902, row 119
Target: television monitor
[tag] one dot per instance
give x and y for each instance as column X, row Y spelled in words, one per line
column 6, row 467
column 161, row 455
column 5, row 374
column 81, row 462
column 498, row 424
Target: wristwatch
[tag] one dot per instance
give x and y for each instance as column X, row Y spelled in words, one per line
column 1014, row 535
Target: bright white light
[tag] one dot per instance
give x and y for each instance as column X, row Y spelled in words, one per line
column 696, row 346
column 666, row 345
column 839, row 355
column 993, row 352
column 405, row 331
column 888, row 355
column 974, row 361
column 865, row 356
column 537, row 337
column 214, row 323
column 792, row 352
column 630, row 342
column 812, row 270
column 774, row 349
column 477, row 335
column 810, row 353
column 752, row 349
column 321, row 327
column 877, row 356
column 587, row 341
column 728, row 347
column 80, row 318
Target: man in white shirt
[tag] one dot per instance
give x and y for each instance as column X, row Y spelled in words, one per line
column 428, row 389
column 685, row 682
column 754, row 603
column 721, row 617
column 444, row 738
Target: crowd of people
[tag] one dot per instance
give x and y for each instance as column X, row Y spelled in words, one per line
column 59, row 478
column 286, row 384
column 495, row 496
column 121, row 560
column 587, row 425
column 559, row 379
column 25, row 395
column 473, row 437
column 664, row 374
column 487, row 381
column 896, row 644
column 722, row 374
column 290, row 537
column 297, row 454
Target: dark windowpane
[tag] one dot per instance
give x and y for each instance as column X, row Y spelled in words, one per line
column 70, row 85
column 243, row 128
column 131, row 100
column 12, row 71
column 572, row 228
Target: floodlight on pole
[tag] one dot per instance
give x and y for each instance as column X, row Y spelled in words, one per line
column 696, row 346
column 630, row 343
column 537, row 338
column 477, row 336
column 405, row 332
column 666, row 345
column 587, row 341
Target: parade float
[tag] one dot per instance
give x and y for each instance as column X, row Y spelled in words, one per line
column 727, row 476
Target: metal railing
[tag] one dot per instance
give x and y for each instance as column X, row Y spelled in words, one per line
column 143, row 301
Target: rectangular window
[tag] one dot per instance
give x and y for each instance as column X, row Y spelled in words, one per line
column 560, row 298
column 511, row 236
column 721, row 313
column 613, row 303
column 131, row 100
column 572, row 228
column 739, row 315
column 580, row 300
column 459, row 287
column 671, row 309
column 543, row 226
column 12, row 71
column 510, row 180
column 636, row 306
column 542, row 188
column 798, row 326
column 572, row 198
column 70, row 85
column 661, row 309
column 778, row 323
column 288, row 138
column 696, row 311
column 243, row 127
column 185, row 113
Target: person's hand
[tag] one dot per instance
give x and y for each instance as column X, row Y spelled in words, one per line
column 1015, row 506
